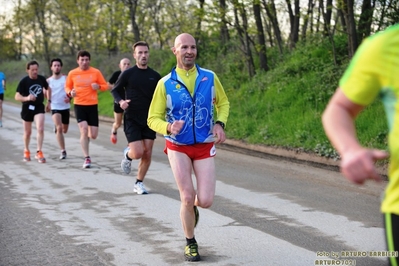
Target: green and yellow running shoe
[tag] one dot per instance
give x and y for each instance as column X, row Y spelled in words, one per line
column 191, row 252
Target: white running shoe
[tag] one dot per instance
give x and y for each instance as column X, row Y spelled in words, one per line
column 139, row 188
column 126, row 165
column 87, row 163
column 63, row 155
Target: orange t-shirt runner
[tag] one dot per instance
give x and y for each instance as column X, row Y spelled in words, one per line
column 81, row 81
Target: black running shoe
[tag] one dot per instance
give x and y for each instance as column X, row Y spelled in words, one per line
column 191, row 252
column 196, row 212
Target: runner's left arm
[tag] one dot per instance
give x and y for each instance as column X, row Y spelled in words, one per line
column 102, row 82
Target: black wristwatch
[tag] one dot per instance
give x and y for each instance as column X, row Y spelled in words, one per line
column 220, row 123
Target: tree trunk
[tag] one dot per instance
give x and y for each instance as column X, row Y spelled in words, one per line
column 243, row 33
column 247, row 41
column 307, row 18
column 40, row 8
column 365, row 19
column 19, row 30
column 326, row 13
column 132, row 4
column 297, row 17
column 272, row 14
column 224, row 31
column 294, row 22
column 154, row 11
column 351, row 26
column 389, row 13
column 341, row 16
column 199, row 20
column 268, row 31
column 261, row 36
column 383, row 10
column 112, row 38
column 328, row 31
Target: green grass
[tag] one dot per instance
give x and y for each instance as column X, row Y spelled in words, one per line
column 283, row 107
column 9, row 93
column 105, row 104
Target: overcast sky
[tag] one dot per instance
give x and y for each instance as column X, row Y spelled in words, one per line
column 6, row 6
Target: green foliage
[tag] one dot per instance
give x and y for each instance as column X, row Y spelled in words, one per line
column 160, row 58
column 283, row 106
column 8, row 53
column 325, row 149
column 227, row 62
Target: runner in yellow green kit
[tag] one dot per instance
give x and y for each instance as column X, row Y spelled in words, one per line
column 190, row 108
column 373, row 72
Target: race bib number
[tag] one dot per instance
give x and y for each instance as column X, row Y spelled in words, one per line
column 31, row 107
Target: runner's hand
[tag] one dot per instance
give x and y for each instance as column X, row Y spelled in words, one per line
column 48, row 107
column 124, row 104
column 31, row 97
column 218, row 134
column 95, row 86
column 176, row 127
column 358, row 166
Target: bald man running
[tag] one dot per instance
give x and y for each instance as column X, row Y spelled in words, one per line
column 182, row 109
column 118, row 111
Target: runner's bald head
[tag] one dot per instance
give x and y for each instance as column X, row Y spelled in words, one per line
column 182, row 37
column 124, row 64
column 124, row 61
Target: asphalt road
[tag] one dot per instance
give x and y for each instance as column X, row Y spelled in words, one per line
column 267, row 211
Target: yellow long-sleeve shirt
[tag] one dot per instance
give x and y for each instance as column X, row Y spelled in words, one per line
column 156, row 115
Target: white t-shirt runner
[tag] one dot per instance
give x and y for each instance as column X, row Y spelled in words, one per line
column 58, row 93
